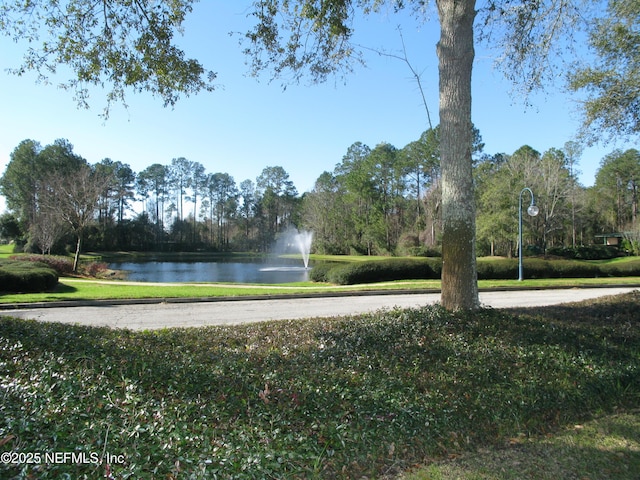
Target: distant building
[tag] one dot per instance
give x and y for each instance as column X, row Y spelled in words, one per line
column 611, row 239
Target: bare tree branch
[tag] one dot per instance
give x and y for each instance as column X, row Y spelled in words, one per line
column 405, row 59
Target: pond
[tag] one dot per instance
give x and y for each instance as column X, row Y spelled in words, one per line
column 275, row 271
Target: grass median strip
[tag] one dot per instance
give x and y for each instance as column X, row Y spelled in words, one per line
column 85, row 289
column 80, row 289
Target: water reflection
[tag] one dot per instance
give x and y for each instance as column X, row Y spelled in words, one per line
column 237, row 272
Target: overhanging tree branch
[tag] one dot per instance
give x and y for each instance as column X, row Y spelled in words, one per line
column 405, row 59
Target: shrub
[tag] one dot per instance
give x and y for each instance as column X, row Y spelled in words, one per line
column 497, row 269
column 319, row 272
column 626, row 269
column 572, row 269
column 490, row 269
column 585, row 252
column 18, row 276
column 62, row 265
column 386, row 270
column 501, row 269
column 94, row 269
column 423, row 251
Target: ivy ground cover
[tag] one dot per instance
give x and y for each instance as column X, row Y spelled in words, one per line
column 348, row 397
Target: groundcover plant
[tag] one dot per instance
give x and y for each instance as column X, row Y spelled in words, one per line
column 329, row 398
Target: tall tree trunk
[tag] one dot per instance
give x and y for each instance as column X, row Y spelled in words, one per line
column 76, row 258
column 158, row 220
column 634, row 203
column 455, row 54
column 195, row 212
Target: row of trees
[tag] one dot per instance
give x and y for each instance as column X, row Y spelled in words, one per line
column 381, row 200
column 53, row 193
column 388, row 201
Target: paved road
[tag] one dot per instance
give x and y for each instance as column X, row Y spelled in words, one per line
column 160, row 315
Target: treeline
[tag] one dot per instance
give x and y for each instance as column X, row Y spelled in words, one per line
column 388, row 201
column 184, row 207
column 381, row 200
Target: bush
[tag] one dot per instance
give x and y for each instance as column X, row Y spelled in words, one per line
column 489, row 269
column 424, row 251
column 626, row 269
column 320, row 271
column 497, row 269
column 507, row 268
column 94, row 269
column 17, row 276
column 62, row 265
column 584, row 252
column 631, row 247
column 385, row 271
column 570, row 269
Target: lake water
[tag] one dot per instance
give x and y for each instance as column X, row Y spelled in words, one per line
column 237, row 272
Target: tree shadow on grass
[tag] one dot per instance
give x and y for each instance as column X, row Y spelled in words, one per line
column 595, row 312
column 64, row 288
column 60, row 288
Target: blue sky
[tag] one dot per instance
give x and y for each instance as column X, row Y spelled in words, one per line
column 248, row 124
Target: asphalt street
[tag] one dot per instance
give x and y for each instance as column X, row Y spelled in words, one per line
column 138, row 316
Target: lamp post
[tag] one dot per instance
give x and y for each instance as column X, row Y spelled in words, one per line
column 532, row 211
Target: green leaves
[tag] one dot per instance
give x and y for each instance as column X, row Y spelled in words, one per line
column 21, row 276
column 123, row 45
column 612, row 80
column 302, row 37
column 488, row 269
column 323, row 398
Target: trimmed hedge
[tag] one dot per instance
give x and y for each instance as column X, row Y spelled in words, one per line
column 62, row 265
column 626, row 269
column 585, row 252
column 20, row 277
column 493, row 269
column 507, row 268
column 320, row 271
column 385, row 270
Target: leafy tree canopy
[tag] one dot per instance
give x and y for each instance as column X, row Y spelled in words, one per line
column 130, row 45
column 126, row 44
column 612, row 81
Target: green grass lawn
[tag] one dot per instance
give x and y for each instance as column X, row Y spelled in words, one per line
column 6, row 250
column 92, row 289
column 613, row 260
column 365, row 396
column 84, row 289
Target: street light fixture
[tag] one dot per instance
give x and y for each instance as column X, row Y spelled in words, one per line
column 533, row 210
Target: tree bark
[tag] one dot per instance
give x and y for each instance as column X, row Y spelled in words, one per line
column 455, row 54
column 76, row 257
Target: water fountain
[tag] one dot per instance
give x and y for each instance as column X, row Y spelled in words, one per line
column 292, row 242
column 303, row 242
